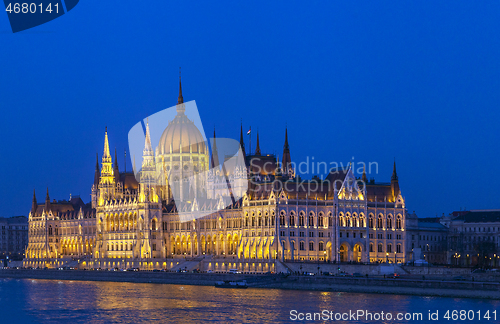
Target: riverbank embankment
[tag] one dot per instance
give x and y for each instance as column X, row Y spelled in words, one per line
column 439, row 288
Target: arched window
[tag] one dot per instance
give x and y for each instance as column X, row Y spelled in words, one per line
column 266, row 221
column 292, row 220
column 389, row 248
column 348, row 221
column 301, row 245
column 311, row 219
column 246, row 221
column 389, row 223
column 260, row 221
column 282, row 219
column 320, row 220
column 380, row 247
column 371, row 247
column 380, row 223
column 311, row 246
column 301, row 220
column 321, row 246
column 371, row 222
column 330, row 220
column 153, row 225
column 398, row 222
column 253, row 220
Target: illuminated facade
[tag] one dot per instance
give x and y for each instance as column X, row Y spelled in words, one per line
column 135, row 223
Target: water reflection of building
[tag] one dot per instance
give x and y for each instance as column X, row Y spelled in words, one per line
column 132, row 223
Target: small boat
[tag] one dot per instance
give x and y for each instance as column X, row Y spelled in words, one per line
column 231, row 284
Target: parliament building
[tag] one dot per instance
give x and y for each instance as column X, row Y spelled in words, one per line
column 267, row 217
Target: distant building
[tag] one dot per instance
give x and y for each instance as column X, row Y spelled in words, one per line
column 474, row 238
column 13, row 237
column 429, row 237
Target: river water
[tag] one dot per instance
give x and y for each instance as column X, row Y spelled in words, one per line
column 52, row 301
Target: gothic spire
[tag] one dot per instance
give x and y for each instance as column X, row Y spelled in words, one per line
column 394, row 173
column 106, row 156
column 287, row 161
column 242, row 142
column 215, row 157
column 34, row 204
column 365, row 180
column 257, row 148
column 286, row 138
column 97, row 173
column 148, row 149
column 47, row 201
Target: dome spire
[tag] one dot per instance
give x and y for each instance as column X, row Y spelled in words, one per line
column 180, row 100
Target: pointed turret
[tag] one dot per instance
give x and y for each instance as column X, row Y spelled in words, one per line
column 215, row 154
column 148, row 169
column 242, row 142
column 106, row 162
column 257, row 149
column 97, row 174
column 394, row 173
column 106, row 155
column 394, row 183
column 287, row 161
column 148, row 149
column 34, row 204
column 107, row 178
column 47, row 201
column 365, row 180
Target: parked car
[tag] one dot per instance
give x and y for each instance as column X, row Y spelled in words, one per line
column 393, row 276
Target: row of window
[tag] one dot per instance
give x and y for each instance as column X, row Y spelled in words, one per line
column 380, row 248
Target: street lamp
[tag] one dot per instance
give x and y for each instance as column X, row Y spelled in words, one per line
column 387, row 257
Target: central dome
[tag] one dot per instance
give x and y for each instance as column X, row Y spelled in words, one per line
column 181, row 133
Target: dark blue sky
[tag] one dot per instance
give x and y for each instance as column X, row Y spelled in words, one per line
column 373, row 80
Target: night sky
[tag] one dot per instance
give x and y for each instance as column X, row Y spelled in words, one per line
column 375, row 80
